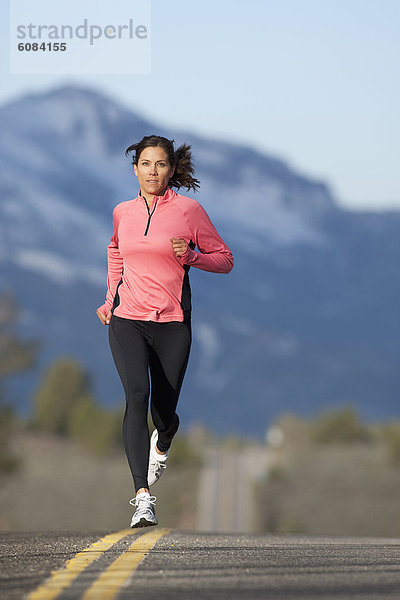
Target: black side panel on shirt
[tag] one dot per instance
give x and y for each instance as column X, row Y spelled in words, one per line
column 186, row 299
column 116, row 297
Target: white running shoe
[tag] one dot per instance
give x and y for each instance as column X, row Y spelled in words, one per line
column 144, row 515
column 156, row 461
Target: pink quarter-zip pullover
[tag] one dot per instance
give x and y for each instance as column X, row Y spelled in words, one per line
column 146, row 280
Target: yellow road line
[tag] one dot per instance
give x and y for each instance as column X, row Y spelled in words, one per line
column 113, row 578
column 61, row 578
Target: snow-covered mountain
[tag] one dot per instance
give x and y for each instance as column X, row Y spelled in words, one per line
column 307, row 318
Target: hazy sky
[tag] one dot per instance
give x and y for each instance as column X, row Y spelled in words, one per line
column 315, row 82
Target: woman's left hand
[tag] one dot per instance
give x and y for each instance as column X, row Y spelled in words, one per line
column 179, row 246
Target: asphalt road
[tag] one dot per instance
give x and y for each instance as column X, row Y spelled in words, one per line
column 191, row 565
column 226, row 501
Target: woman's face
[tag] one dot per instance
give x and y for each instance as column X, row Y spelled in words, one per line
column 153, row 171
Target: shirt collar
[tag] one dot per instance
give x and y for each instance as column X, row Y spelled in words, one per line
column 166, row 197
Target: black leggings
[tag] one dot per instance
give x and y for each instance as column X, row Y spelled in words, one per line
column 137, row 346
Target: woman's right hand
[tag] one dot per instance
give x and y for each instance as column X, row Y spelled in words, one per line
column 105, row 319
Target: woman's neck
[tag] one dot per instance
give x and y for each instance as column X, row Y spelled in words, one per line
column 149, row 197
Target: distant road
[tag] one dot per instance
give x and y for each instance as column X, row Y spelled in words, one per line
column 226, row 490
column 163, row 564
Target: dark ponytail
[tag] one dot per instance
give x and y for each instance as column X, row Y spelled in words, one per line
column 180, row 158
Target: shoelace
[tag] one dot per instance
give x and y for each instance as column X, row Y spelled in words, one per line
column 147, row 500
column 157, row 465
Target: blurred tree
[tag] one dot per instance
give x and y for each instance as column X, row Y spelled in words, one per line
column 65, row 405
column 64, row 386
column 343, row 425
column 8, row 461
column 99, row 429
column 391, row 434
column 16, row 355
column 183, row 452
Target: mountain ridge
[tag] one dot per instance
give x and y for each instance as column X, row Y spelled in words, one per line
column 306, row 319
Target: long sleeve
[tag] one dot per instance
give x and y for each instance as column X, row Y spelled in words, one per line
column 115, row 266
column 214, row 255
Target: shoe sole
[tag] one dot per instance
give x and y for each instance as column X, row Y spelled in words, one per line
column 153, row 481
column 154, row 435
column 143, row 523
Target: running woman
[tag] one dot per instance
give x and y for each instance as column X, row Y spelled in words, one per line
column 148, row 302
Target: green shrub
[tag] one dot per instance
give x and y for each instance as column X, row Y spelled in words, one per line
column 183, row 453
column 8, row 460
column 339, row 426
column 64, row 405
column 391, row 434
column 97, row 428
column 64, row 386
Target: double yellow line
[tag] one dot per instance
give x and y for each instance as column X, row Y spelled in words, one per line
column 112, row 579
